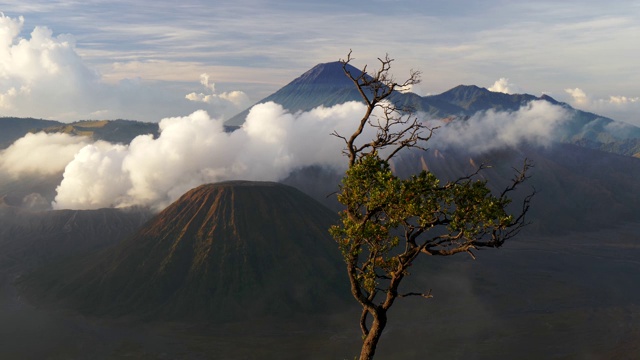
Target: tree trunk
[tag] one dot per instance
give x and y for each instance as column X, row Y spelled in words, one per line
column 371, row 340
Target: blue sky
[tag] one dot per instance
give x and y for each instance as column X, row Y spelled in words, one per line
column 144, row 60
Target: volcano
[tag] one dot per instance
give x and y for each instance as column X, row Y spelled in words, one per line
column 324, row 84
column 327, row 85
column 221, row 252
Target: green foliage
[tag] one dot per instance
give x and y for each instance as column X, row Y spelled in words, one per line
column 388, row 221
column 385, row 215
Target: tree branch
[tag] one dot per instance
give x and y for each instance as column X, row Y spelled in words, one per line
column 426, row 296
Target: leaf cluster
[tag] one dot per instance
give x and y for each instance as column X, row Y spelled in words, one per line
column 389, row 221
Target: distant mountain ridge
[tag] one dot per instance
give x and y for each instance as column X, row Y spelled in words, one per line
column 115, row 131
column 12, row 128
column 327, row 85
column 472, row 98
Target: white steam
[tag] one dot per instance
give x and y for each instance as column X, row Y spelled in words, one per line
column 238, row 98
column 41, row 154
column 194, row 149
column 503, row 85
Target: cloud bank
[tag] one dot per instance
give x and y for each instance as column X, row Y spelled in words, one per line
column 194, row 149
column 41, row 154
column 41, row 72
column 44, row 76
column 618, row 107
column 533, row 123
column 237, row 98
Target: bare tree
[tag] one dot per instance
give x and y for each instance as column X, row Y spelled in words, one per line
column 388, row 221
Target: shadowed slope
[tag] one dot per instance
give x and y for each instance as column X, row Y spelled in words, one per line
column 221, row 252
column 324, row 84
column 327, row 85
column 29, row 239
column 12, row 128
column 578, row 188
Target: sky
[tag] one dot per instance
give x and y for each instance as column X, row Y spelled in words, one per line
column 147, row 60
column 190, row 65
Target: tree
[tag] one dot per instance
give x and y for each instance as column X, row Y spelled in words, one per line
column 388, row 221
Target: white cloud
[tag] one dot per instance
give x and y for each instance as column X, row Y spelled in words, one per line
column 105, row 185
column 534, row 123
column 9, row 29
column 194, row 149
column 44, row 76
column 578, row 96
column 42, row 72
column 621, row 129
column 416, row 89
column 454, row 45
column 41, row 154
column 246, row 45
column 618, row 107
column 237, row 99
column 503, row 85
column 619, row 100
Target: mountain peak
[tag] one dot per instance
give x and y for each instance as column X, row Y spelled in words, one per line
column 220, row 252
column 548, row 98
column 326, row 73
column 326, row 81
column 464, row 92
column 463, row 87
column 473, row 98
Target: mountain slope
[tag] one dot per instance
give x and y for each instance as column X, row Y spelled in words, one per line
column 12, row 129
column 327, row 85
column 114, row 131
column 324, row 84
column 583, row 128
column 473, row 99
column 223, row 251
column 29, row 239
column 578, row 189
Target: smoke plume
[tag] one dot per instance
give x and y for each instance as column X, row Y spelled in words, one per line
column 503, row 85
column 194, row 149
column 41, row 154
